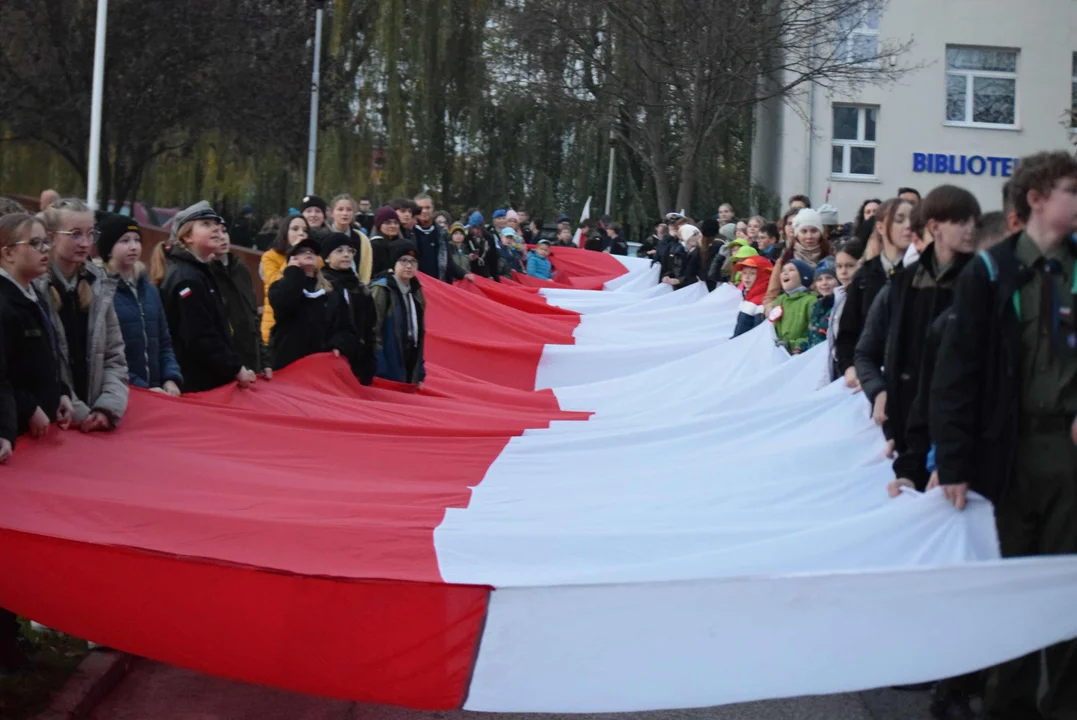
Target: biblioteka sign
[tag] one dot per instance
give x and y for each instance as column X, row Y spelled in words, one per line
column 963, row 164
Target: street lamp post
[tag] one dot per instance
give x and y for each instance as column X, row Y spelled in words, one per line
column 96, row 104
column 312, row 149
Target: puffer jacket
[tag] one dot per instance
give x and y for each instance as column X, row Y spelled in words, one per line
column 107, row 376
column 270, row 268
column 147, row 341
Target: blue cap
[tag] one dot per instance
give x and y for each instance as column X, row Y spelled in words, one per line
column 475, row 220
column 508, row 232
column 498, row 214
column 562, row 218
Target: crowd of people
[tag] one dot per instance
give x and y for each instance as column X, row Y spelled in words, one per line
column 956, row 326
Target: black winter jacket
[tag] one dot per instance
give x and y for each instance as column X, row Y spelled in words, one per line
column 691, row 269
column 308, row 319
column 198, row 321
column 485, row 259
column 861, row 293
column 975, row 394
column 364, row 317
column 9, row 426
column 890, row 349
column 912, row 464
column 379, row 248
column 237, row 292
column 31, row 360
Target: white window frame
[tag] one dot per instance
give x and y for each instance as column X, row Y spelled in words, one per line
column 846, row 153
column 970, row 82
column 860, row 30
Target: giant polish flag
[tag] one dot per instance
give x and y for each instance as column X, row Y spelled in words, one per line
column 598, row 502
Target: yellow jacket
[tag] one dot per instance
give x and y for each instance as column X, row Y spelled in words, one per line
column 271, row 269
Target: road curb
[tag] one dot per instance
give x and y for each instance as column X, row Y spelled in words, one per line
column 95, row 677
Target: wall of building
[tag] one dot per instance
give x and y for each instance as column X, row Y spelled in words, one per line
column 912, row 138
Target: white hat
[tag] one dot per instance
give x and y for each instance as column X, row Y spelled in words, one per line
column 688, row 232
column 808, row 218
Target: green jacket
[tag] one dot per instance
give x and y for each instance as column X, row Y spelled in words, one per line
column 792, row 326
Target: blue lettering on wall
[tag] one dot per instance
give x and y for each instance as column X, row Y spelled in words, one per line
column 941, row 163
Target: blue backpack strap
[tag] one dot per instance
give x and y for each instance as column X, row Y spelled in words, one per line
column 992, row 275
column 989, row 262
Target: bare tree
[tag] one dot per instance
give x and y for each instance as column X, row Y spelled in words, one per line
column 666, row 74
column 175, row 72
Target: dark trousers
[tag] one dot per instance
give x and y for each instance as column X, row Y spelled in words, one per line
column 1038, row 516
column 411, row 361
column 9, row 631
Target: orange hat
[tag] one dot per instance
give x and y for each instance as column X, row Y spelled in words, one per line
column 756, row 261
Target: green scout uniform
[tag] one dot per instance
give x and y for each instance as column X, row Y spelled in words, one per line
column 1038, row 515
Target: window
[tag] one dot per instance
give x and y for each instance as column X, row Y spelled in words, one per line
column 853, row 150
column 981, row 87
column 858, row 35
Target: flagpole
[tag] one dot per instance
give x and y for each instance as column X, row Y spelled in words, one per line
column 609, row 178
column 312, row 149
column 96, row 105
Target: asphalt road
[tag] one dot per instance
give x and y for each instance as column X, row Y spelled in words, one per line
column 163, row 692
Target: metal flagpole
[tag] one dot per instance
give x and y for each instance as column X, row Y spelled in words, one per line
column 96, row 105
column 312, row 149
column 609, row 178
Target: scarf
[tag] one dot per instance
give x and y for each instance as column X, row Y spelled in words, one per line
column 812, row 257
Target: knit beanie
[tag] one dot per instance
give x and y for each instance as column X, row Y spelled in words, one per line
column 402, row 249
column 710, row 228
column 828, row 214
column 687, row 232
column 807, row 274
column 457, row 227
column 825, row 269
column 512, row 215
column 334, row 240
column 314, row 201
column 808, row 218
column 111, row 227
column 498, row 214
column 475, row 220
column 728, row 231
column 383, row 215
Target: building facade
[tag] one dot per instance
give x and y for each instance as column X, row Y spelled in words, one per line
column 993, row 80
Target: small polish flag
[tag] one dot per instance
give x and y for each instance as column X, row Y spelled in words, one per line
column 185, row 292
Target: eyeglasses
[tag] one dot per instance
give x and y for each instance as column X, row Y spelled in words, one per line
column 42, row 245
column 408, row 261
column 80, row 235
